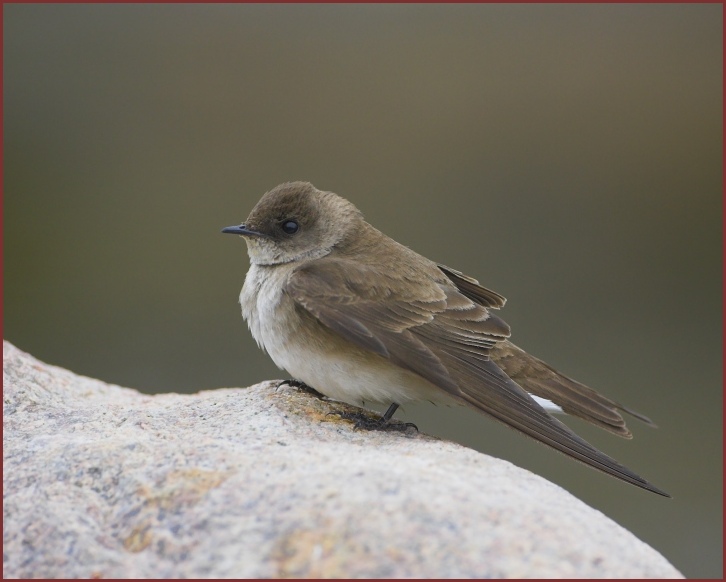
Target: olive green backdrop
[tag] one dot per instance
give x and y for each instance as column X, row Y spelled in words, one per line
column 567, row 156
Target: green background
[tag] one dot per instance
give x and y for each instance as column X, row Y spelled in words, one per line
column 567, row 156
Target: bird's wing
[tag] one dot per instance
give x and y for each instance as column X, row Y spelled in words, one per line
column 472, row 289
column 433, row 330
column 539, row 378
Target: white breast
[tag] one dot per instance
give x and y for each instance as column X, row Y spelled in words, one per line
column 337, row 369
column 260, row 299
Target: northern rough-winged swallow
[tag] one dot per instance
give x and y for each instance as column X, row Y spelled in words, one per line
column 361, row 318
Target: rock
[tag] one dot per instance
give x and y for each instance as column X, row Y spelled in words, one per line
column 102, row 481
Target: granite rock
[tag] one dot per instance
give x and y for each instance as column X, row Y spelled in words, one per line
column 103, row 481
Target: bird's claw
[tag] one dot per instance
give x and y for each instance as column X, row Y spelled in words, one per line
column 362, row 421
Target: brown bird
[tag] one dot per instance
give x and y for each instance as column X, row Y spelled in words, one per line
column 361, row 318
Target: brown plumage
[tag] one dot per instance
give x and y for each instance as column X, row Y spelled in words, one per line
column 353, row 298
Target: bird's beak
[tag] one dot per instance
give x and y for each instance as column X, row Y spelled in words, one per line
column 242, row 230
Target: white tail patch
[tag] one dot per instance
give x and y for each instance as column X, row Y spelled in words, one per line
column 548, row 405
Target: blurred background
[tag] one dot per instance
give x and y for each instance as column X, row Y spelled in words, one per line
column 567, row 156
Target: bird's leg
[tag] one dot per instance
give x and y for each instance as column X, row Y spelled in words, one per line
column 301, row 386
column 365, row 422
column 389, row 413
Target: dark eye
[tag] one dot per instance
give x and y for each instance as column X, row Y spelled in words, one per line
column 290, row 226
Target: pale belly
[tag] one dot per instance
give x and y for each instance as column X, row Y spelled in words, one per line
column 353, row 378
column 311, row 353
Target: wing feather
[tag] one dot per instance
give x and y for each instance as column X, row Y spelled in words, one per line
column 472, row 289
column 542, row 380
column 444, row 335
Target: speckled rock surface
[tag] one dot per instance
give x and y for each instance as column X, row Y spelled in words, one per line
column 102, row 481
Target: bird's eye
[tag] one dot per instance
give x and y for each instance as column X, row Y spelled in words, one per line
column 290, row 226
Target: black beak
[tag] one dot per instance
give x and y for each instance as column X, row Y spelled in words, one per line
column 241, row 230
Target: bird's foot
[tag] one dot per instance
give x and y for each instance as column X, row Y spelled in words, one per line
column 363, row 421
column 300, row 386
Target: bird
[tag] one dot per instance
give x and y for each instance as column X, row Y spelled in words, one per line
column 359, row 317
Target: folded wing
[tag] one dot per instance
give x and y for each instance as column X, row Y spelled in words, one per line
column 540, row 379
column 445, row 336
